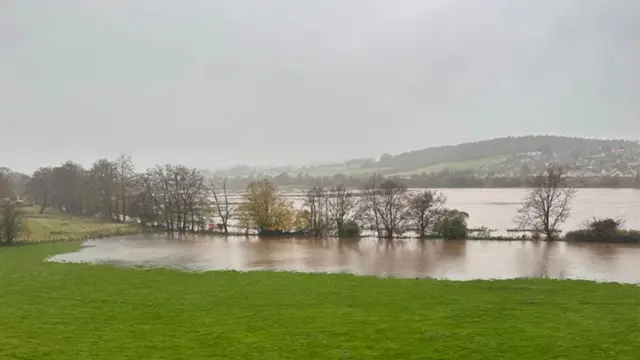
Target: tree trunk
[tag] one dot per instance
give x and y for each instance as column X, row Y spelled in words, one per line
column 44, row 206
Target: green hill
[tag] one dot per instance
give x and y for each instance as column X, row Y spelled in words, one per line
column 466, row 156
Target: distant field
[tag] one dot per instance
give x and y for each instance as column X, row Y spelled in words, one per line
column 346, row 170
column 460, row 165
column 357, row 171
column 54, row 226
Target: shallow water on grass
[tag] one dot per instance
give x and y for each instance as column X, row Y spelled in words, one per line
column 457, row 260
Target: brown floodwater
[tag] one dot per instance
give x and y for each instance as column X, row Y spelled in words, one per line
column 456, row 260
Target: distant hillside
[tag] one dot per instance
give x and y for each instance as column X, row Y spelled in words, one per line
column 465, row 156
column 501, row 146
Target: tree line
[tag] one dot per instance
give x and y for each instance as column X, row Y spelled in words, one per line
column 383, row 206
column 181, row 199
column 443, row 179
column 173, row 196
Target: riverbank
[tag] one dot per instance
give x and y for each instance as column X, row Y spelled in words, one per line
column 53, row 226
column 48, row 309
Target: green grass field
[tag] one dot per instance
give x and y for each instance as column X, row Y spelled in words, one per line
column 460, row 165
column 69, row 311
column 345, row 170
column 356, row 171
column 54, row 226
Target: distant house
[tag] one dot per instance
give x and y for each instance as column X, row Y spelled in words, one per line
column 616, row 173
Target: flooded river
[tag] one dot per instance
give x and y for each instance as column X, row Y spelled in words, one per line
column 497, row 208
column 457, row 260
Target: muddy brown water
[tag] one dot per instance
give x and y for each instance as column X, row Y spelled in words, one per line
column 456, row 260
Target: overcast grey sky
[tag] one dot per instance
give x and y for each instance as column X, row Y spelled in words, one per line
column 214, row 83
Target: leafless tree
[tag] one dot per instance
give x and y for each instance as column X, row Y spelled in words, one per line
column 6, row 191
column 547, row 203
column 393, row 211
column 370, row 203
column 39, row 187
column 317, row 209
column 100, row 196
column 343, row 207
column 223, row 207
column 125, row 177
column 424, row 210
column 385, row 201
column 179, row 196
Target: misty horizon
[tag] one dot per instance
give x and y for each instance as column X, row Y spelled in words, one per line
column 217, row 84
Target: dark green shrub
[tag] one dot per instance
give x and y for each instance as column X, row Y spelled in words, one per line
column 603, row 230
column 10, row 222
column 452, row 225
column 350, row 229
column 621, row 236
column 604, row 227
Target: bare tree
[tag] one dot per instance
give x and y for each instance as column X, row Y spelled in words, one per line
column 370, row 203
column 343, row 207
column 547, row 203
column 125, row 175
column 385, row 201
column 179, row 196
column 317, row 210
column 101, row 185
column 38, row 188
column 223, row 208
column 393, row 210
column 6, row 191
column 424, row 210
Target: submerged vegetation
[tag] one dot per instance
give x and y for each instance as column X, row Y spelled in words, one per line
column 604, row 230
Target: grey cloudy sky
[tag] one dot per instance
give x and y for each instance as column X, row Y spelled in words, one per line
column 215, row 83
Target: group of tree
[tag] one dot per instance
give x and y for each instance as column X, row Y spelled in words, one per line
column 384, row 206
column 174, row 197
column 182, row 199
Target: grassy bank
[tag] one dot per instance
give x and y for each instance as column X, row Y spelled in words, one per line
column 55, row 226
column 70, row 311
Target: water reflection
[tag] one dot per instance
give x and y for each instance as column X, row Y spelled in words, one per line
column 460, row 260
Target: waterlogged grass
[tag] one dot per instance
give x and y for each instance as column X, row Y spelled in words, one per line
column 54, row 226
column 71, row 311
